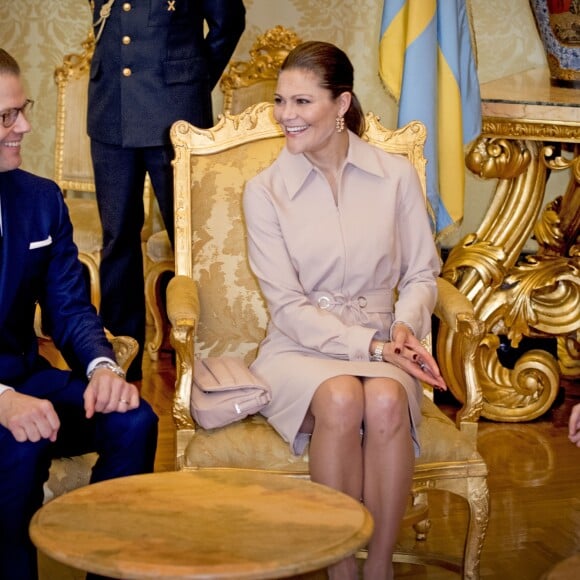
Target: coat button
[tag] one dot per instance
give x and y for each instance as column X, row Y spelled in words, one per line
column 127, row 72
column 127, row 6
column 126, row 40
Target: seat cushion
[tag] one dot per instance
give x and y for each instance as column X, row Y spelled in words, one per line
column 253, row 444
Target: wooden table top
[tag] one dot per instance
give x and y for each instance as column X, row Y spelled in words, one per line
column 527, row 106
column 207, row 524
column 530, row 95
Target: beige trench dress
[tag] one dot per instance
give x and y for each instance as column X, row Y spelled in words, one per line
column 329, row 272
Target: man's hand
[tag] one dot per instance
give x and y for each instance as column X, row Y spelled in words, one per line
column 574, row 425
column 28, row 418
column 407, row 352
column 108, row 392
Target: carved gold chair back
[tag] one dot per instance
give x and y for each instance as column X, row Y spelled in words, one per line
column 246, row 83
column 215, row 308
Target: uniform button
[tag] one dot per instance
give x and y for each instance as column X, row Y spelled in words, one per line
column 127, row 6
column 127, row 72
column 126, row 40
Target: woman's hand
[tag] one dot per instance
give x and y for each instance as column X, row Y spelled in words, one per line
column 407, row 352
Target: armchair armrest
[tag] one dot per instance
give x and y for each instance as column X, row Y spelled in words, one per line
column 125, row 348
column 451, row 304
column 183, row 314
column 455, row 311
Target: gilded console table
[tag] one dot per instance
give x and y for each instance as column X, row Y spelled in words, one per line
column 527, row 124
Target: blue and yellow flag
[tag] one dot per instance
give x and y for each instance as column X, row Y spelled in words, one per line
column 427, row 64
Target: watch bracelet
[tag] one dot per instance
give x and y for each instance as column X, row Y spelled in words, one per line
column 107, row 365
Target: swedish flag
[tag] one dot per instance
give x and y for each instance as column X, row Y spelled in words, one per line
column 426, row 62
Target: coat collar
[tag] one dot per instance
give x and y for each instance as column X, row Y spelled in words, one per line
column 295, row 169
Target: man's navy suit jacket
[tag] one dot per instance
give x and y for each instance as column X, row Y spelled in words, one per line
column 39, row 264
column 154, row 64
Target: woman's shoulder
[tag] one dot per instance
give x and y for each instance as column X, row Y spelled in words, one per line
column 369, row 155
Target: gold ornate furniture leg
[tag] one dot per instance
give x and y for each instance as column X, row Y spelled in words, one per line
column 534, row 297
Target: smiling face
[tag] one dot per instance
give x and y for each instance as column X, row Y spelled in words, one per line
column 307, row 113
column 11, row 96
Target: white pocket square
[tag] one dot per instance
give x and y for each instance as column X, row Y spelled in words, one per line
column 40, row 244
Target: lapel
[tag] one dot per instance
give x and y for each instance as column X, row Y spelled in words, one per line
column 16, row 210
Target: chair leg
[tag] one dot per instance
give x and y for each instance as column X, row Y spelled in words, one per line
column 478, row 500
column 421, row 505
column 153, row 301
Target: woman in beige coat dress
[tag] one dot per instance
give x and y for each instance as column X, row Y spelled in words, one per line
column 340, row 241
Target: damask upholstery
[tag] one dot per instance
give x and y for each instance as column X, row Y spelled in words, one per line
column 244, row 83
column 215, row 308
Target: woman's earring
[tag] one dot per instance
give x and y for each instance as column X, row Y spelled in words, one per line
column 339, row 124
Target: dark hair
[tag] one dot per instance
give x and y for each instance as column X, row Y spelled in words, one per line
column 8, row 64
column 334, row 69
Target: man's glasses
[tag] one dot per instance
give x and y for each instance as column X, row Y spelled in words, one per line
column 9, row 117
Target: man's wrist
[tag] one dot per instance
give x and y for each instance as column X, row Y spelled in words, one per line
column 106, row 364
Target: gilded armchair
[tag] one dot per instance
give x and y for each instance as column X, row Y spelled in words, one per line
column 215, row 308
column 244, row 83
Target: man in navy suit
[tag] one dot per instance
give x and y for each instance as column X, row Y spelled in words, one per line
column 154, row 63
column 46, row 412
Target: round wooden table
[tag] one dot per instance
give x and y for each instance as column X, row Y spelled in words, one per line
column 206, row 524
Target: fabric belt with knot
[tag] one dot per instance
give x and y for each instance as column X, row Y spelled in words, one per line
column 355, row 307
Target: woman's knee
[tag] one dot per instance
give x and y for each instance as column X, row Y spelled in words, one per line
column 339, row 400
column 386, row 403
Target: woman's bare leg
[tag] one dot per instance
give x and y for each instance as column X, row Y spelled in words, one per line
column 389, row 461
column 335, row 447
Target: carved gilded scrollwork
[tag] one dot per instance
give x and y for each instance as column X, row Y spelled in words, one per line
column 543, row 293
column 535, row 297
column 498, row 158
column 550, row 131
column 569, row 355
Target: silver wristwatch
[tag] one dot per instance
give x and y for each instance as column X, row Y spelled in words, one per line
column 105, row 364
column 377, row 355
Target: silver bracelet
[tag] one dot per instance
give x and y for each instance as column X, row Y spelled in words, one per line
column 105, row 364
column 377, row 355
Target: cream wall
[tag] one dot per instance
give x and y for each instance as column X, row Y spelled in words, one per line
column 39, row 34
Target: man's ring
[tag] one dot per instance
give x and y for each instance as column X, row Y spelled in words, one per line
column 124, row 401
